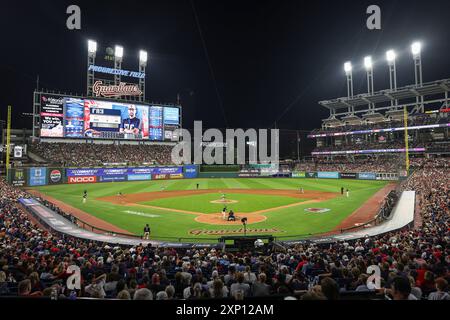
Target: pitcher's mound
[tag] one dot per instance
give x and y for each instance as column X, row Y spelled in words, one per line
column 224, row 201
column 216, row 218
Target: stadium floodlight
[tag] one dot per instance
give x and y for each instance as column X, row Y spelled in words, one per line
column 143, row 56
column 390, row 56
column 92, row 46
column 348, row 74
column 348, row 67
column 416, row 48
column 368, row 63
column 118, row 52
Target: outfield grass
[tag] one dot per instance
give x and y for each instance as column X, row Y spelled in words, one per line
column 166, row 223
column 202, row 202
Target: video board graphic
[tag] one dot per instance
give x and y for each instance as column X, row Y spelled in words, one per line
column 74, row 120
column 52, row 116
column 156, row 123
column 105, row 119
column 171, row 116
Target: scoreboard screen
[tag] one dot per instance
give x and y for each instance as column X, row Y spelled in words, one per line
column 91, row 118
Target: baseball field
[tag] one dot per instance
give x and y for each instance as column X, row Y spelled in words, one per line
column 192, row 208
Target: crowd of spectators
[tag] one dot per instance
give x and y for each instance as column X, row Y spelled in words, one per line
column 383, row 163
column 90, row 154
column 414, row 263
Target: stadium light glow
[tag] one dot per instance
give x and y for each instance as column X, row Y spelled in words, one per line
column 390, row 55
column 416, row 48
column 143, row 56
column 92, row 46
column 348, row 67
column 368, row 63
column 118, row 51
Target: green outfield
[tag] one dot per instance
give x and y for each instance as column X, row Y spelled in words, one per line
column 284, row 215
column 203, row 203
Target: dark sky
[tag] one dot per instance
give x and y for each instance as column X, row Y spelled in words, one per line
column 250, row 63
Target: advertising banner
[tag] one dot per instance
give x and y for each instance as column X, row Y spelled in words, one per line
column 82, row 179
column 190, row 171
column 311, row 174
column 159, row 176
column 367, row 176
column 52, row 116
column 328, row 175
column 18, row 177
column 298, row 174
column 138, row 177
column 37, row 176
column 136, row 174
column 167, row 170
column 348, row 175
column 55, row 175
column 248, row 174
column 83, row 172
column 112, row 178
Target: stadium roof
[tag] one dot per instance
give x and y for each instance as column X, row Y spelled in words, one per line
column 411, row 91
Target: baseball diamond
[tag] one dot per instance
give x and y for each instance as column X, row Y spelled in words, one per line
column 266, row 202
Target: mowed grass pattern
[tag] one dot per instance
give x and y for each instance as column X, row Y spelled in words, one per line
column 290, row 221
column 202, row 202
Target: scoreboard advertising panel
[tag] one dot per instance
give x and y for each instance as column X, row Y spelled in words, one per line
column 92, row 118
column 52, row 116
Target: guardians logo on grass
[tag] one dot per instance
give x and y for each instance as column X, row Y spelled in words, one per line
column 197, row 232
column 317, row 210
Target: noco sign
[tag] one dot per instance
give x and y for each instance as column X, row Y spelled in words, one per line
column 82, row 179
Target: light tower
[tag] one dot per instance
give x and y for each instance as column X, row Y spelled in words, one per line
column 92, row 51
column 143, row 57
column 368, row 65
column 416, row 50
column 390, row 57
column 349, row 74
column 118, row 55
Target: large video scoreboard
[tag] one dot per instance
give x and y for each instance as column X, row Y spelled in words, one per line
column 69, row 117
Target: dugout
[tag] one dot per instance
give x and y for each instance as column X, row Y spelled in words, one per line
column 238, row 243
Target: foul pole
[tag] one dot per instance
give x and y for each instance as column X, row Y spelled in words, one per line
column 8, row 141
column 405, row 118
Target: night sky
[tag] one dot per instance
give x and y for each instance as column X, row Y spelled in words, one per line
column 234, row 63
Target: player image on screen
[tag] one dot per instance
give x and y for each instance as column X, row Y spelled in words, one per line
column 131, row 125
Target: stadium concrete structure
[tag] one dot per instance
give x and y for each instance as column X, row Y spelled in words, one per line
column 336, row 196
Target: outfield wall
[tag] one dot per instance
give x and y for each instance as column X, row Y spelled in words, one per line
column 41, row 176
